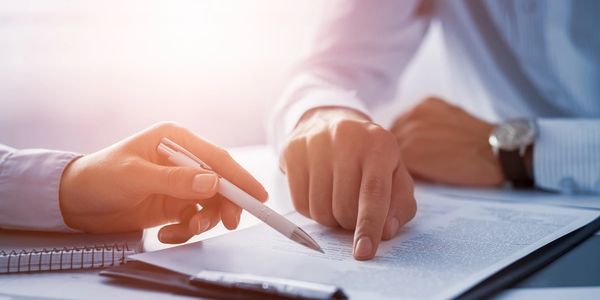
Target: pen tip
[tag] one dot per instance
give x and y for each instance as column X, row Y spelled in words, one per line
column 301, row 237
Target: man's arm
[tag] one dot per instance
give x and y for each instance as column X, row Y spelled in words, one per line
column 443, row 143
column 566, row 155
column 354, row 62
column 29, row 188
column 343, row 169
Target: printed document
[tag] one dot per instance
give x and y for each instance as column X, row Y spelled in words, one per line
column 450, row 246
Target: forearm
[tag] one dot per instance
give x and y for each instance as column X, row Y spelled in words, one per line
column 566, row 155
column 29, row 188
column 354, row 63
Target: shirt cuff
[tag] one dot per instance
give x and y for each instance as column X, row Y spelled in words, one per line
column 29, row 188
column 566, row 155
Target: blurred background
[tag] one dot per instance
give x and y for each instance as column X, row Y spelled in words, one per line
column 80, row 75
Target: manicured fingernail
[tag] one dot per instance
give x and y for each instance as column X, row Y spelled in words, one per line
column 237, row 220
column 392, row 226
column 204, row 183
column 364, row 248
column 203, row 225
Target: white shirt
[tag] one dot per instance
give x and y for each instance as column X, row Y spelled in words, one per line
column 29, row 188
column 536, row 59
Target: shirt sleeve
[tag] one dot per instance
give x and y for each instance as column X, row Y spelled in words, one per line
column 29, row 186
column 354, row 62
column 566, row 155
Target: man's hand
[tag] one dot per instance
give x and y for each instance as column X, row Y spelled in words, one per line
column 443, row 143
column 129, row 186
column 344, row 170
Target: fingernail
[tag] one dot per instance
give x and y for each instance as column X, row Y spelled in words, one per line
column 392, row 226
column 237, row 220
column 364, row 248
column 203, row 225
column 204, row 183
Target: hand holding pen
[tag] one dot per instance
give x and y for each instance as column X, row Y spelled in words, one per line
column 182, row 157
column 129, row 186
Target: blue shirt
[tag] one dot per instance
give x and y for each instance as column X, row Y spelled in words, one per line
column 535, row 58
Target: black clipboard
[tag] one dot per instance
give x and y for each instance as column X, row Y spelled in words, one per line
column 146, row 276
column 162, row 279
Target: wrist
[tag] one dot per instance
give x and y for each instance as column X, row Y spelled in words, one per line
column 512, row 143
column 528, row 160
column 67, row 192
column 332, row 113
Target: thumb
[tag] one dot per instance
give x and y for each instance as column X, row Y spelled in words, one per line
column 179, row 182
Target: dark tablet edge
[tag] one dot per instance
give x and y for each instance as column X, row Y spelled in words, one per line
column 531, row 263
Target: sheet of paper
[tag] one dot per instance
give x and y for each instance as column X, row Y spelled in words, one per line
column 449, row 247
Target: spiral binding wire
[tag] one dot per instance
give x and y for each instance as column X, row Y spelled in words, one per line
column 111, row 255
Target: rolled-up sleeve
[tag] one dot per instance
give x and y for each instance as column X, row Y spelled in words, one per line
column 354, row 62
column 566, row 155
column 29, row 188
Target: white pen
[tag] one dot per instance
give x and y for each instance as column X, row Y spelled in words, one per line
column 182, row 157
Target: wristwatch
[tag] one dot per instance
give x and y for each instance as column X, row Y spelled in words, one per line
column 510, row 142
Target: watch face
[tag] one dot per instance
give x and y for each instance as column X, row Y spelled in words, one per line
column 513, row 135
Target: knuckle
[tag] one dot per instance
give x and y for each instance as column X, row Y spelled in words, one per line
column 384, row 144
column 173, row 179
column 318, row 140
column 223, row 154
column 344, row 127
column 320, row 208
column 377, row 131
column 366, row 223
column 323, row 218
column 301, row 206
column 130, row 165
column 345, row 218
column 410, row 210
column 293, row 144
column 373, row 187
column 416, row 126
column 292, row 149
column 168, row 125
column 432, row 100
column 382, row 136
column 424, row 107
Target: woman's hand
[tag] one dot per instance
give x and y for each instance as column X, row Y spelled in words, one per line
column 129, row 186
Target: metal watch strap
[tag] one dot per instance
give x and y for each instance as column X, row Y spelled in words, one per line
column 513, row 167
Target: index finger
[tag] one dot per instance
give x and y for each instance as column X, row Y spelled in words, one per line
column 219, row 160
column 373, row 206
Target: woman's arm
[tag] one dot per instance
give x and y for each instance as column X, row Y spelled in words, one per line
column 124, row 187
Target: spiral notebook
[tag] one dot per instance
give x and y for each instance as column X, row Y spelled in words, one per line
column 24, row 251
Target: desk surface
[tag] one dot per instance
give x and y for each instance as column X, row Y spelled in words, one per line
column 578, row 268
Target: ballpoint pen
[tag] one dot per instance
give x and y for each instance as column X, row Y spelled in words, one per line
column 182, row 157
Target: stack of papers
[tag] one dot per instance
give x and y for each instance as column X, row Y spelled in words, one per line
column 449, row 247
